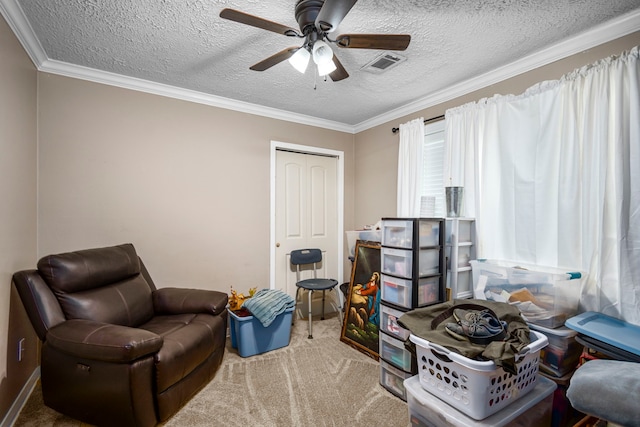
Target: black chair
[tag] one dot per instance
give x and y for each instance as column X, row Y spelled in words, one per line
column 307, row 257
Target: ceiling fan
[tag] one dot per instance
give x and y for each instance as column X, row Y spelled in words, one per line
column 317, row 19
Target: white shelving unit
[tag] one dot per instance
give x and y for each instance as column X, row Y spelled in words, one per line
column 412, row 275
column 460, row 249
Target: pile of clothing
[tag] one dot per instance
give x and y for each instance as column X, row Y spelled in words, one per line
column 476, row 329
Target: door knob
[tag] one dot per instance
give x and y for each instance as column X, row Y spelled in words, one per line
column 277, row 245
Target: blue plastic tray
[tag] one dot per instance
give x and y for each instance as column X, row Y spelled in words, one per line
column 608, row 330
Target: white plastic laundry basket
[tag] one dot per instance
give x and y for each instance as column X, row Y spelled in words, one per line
column 476, row 388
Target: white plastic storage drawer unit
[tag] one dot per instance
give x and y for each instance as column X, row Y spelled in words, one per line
column 462, row 232
column 464, row 256
column 393, row 378
column 399, row 262
column 400, row 291
column 464, row 283
column 399, row 233
column 389, row 322
column 393, row 351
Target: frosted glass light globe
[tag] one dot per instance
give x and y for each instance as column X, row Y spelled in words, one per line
column 322, row 53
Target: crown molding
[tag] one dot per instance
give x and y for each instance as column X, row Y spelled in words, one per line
column 608, row 31
column 20, row 26
column 141, row 85
column 598, row 35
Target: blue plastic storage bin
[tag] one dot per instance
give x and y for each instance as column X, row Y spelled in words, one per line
column 612, row 332
column 250, row 337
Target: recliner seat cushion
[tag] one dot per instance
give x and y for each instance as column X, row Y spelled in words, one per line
column 189, row 339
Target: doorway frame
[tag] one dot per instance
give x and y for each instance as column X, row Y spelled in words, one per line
column 305, row 149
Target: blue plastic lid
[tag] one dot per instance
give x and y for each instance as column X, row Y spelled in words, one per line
column 607, row 329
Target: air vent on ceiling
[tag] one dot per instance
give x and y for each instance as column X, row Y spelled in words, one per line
column 383, row 62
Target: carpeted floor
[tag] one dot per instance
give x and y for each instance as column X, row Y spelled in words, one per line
column 318, row 382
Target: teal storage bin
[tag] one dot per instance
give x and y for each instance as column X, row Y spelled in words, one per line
column 251, row 338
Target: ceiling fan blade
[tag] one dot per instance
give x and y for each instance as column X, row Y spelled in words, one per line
column 255, row 21
column 274, row 59
column 374, row 41
column 339, row 73
column 332, row 13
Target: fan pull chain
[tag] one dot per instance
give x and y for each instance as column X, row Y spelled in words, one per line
column 315, row 79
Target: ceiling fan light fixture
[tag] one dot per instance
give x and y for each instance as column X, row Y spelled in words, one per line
column 326, row 68
column 322, row 53
column 300, row 59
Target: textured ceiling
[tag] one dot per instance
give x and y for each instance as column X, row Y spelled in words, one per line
column 184, row 43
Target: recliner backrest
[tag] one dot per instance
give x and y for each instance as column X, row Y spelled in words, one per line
column 104, row 285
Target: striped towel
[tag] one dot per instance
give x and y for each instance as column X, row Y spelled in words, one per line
column 267, row 304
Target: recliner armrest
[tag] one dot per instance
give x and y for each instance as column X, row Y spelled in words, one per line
column 102, row 341
column 181, row 301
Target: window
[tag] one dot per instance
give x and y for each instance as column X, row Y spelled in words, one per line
column 433, row 166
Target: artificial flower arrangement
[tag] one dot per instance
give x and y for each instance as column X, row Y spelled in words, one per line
column 236, row 300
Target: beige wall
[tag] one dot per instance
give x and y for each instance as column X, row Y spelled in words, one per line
column 376, row 149
column 187, row 184
column 17, row 209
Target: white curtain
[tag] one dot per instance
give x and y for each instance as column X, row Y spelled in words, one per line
column 410, row 168
column 552, row 177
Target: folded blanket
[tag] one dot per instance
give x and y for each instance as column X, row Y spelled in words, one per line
column 608, row 389
column 267, row 304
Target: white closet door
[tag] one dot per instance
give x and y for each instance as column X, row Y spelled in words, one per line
column 306, row 213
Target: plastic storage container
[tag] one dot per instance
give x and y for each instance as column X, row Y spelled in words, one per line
column 464, row 255
column 367, row 235
column 250, row 337
column 399, row 262
column 611, row 333
column 544, row 295
column 400, row 291
column 533, row 410
column 389, row 322
column 476, row 388
column 464, row 284
column 399, row 233
column 393, row 378
column 563, row 414
column 393, row 351
column 562, row 354
column 464, row 230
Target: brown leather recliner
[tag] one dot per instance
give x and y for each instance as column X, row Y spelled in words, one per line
column 117, row 351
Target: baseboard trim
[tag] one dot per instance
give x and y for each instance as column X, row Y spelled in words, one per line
column 12, row 415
